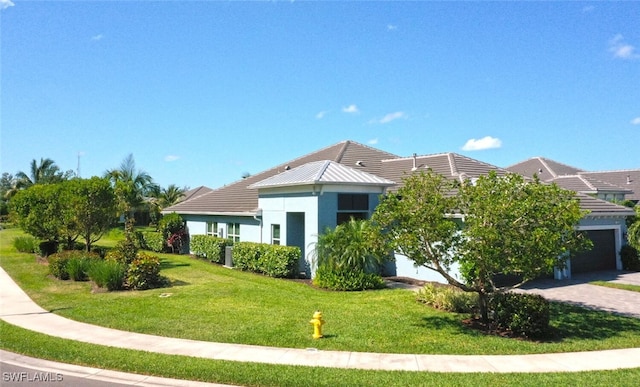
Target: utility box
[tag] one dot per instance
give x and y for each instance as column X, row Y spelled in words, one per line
column 228, row 256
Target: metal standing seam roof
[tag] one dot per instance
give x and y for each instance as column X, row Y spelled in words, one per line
column 322, row 172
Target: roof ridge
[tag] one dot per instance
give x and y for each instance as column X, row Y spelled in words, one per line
column 452, row 164
column 543, row 161
column 610, row 171
column 323, row 169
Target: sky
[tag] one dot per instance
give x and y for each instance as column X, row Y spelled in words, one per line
column 202, row 92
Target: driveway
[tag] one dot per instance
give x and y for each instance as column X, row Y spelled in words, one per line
column 578, row 291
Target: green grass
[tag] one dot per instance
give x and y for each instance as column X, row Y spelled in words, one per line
column 212, row 303
column 633, row 288
column 29, row 343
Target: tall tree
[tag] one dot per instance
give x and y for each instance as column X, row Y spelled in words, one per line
column 495, row 225
column 161, row 198
column 92, row 204
column 131, row 185
column 39, row 211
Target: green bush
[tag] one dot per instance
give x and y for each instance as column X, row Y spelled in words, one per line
column 71, row 264
column 144, row 273
column 630, row 258
column 280, row 261
column 170, row 224
column 346, row 280
column 524, row 314
column 448, row 298
column 26, row 244
column 108, row 274
column 153, row 241
column 272, row 260
column 246, row 256
column 210, row 247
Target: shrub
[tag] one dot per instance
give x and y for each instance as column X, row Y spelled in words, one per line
column 448, row 298
column 170, row 224
column 630, row 258
column 210, row 247
column 108, row 274
column 246, row 256
column 144, row 272
column 272, row 260
column 47, row 248
column 26, row 244
column 347, row 280
column 280, row 261
column 71, row 264
column 153, row 241
column 523, row 314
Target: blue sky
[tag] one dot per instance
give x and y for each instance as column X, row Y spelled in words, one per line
column 203, row 91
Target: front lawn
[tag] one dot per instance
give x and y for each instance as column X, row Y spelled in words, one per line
column 212, row 303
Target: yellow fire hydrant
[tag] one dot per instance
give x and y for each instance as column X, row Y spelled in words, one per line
column 317, row 323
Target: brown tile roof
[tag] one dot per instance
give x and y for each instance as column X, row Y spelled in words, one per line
column 237, row 198
column 546, row 169
column 192, row 193
column 450, row 165
column 626, row 179
column 587, row 184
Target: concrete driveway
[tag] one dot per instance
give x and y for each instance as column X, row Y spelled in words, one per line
column 578, row 291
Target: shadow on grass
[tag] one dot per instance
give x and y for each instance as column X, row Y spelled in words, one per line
column 166, row 264
column 567, row 322
column 574, row 322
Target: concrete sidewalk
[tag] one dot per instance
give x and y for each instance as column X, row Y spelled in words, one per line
column 18, row 309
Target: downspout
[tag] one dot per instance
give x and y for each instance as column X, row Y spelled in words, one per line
column 256, row 217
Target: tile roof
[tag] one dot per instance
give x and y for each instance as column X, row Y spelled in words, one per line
column 241, row 197
column 626, row 179
column 450, row 165
column 587, row 184
column 192, row 193
column 236, row 198
column 322, row 172
column 546, row 169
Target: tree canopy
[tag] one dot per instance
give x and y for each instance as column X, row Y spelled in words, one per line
column 494, row 225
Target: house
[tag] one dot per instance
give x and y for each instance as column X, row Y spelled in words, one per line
column 608, row 185
column 292, row 203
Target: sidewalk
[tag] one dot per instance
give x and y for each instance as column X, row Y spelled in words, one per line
column 18, row 309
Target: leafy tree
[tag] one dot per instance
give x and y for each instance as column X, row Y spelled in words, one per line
column 92, row 204
column 131, row 185
column 496, row 225
column 633, row 232
column 162, row 198
column 7, row 182
column 39, row 211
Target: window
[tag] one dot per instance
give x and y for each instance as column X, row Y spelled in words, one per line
column 275, row 234
column 352, row 206
column 353, row 202
column 212, row 229
column 233, row 231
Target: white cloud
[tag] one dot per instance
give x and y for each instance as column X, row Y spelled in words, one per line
column 352, row 109
column 487, row 142
column 391, row 117
column 373, row 141
column 635, row 121
column 4, row 4
column 391, row 27
column 321, row 114
column 171, row 158
column 622, row 49
column 95, row 38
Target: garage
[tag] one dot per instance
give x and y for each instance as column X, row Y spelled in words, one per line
column 601, row 257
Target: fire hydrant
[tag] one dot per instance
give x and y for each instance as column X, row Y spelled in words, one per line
column 317, row 323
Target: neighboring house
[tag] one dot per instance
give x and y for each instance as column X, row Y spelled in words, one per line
column 293, row 202
column 608, row 185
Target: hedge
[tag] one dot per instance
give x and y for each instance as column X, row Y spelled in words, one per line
column 210, row 247
column 272, row 260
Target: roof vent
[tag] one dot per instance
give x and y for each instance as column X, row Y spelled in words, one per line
column 360, row 163
column 628, row 179
column 415, row 166
column 287, row 168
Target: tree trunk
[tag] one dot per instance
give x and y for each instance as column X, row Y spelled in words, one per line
column 483, row 303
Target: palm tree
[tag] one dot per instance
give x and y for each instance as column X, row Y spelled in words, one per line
column 44, row 172
column 131, row 185
column 161, row 198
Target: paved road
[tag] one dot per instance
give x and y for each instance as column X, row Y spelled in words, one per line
column 578, row 291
